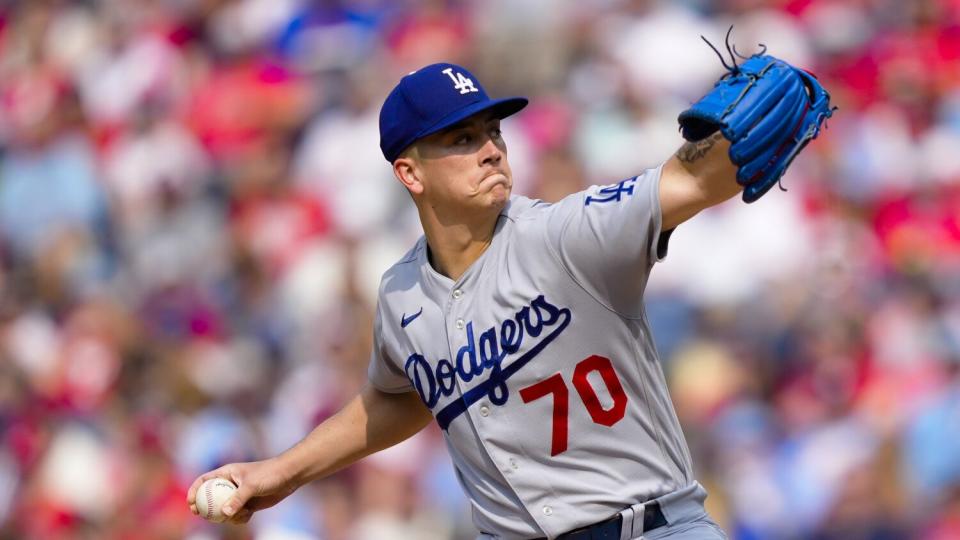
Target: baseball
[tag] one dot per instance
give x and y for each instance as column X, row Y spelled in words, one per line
column 211, row 497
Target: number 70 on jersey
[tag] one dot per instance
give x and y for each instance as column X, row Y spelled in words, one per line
column 556, row 386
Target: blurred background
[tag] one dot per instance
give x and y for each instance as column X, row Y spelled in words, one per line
column 194, row 215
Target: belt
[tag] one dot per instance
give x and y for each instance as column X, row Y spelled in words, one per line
column 609, row 529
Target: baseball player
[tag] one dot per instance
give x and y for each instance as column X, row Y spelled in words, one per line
column 518, row 326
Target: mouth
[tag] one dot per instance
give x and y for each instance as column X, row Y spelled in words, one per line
column 496, row 178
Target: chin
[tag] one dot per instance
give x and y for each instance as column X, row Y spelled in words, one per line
column 499, row 196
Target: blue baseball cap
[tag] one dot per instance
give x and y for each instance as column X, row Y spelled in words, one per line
column 431, row 99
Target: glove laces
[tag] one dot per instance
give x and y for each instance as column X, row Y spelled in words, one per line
column 732, row 51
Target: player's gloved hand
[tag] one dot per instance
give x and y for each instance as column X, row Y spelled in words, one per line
column 260, row 485
column 768, row 110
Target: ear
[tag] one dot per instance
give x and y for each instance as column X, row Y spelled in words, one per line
column 406, row 170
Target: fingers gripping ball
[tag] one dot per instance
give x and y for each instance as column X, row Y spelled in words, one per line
column 211, row 497
column 768, row 110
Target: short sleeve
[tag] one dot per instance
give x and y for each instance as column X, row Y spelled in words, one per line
column 384, row 374
column 608, row 238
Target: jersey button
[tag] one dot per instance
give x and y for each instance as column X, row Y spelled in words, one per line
column 484, row 411
column 459, row 324
column 547, row 511
column 457, row 294
column 513, row 464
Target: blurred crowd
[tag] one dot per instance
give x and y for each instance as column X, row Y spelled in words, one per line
column 194, row 215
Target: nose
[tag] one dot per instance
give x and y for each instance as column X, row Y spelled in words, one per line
column 490, row 152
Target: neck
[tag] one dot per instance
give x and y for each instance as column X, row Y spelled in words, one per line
column 456, row 244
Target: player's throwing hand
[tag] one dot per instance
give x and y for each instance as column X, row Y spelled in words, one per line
column 260, row 485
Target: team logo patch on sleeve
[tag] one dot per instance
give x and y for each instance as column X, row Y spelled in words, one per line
column 613, row 193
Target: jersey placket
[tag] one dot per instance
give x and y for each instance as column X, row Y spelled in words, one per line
column 457, row 309
column 481, row 414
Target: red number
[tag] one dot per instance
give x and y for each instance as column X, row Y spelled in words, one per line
column 561, row 397
column 606, row 417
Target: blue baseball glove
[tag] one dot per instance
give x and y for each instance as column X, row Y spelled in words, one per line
column 768, row 110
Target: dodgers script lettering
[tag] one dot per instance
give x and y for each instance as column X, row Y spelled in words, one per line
column 478, row 356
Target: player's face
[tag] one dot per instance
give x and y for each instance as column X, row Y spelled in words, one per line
column 466, row 165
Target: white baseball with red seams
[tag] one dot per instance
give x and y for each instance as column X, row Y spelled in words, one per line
column 211, row 497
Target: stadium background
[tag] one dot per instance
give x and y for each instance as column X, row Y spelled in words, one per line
column 194, row 214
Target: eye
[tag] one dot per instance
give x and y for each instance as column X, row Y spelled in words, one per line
column 496, row 133
column 463, row 138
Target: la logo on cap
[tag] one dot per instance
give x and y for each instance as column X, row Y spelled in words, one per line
column 463, row 84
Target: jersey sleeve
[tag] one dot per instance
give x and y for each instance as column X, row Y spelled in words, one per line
column 384, row 373
column 608, row 238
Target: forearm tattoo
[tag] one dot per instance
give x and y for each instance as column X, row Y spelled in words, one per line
column 692, row 151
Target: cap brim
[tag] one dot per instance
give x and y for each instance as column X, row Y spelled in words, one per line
column 501, row 107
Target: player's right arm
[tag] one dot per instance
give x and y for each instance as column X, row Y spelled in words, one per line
column 371, row 421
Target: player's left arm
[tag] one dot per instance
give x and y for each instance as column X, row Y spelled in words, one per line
column 698, row 176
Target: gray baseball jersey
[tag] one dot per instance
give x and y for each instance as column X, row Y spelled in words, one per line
column 538, row 363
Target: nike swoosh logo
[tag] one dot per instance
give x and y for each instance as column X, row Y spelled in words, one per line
column 404, row 320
